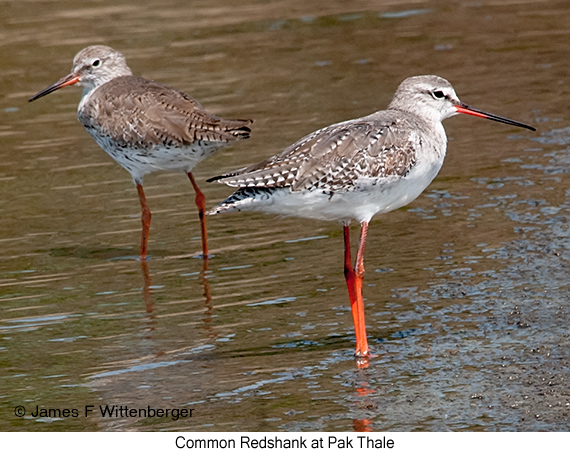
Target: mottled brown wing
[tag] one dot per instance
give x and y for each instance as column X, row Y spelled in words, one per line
column 136, row 111
column 334, row 158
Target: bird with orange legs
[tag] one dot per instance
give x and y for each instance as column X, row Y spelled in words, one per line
column 146, row 126
column 356, row 169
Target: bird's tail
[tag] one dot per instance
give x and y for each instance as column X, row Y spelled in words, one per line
column 243, row 199
column 239, row 128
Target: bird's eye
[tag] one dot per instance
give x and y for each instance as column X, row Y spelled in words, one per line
column 96, row 63
column 438, row 94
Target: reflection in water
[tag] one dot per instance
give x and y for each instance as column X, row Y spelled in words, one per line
column 146, row 288
column 362, row 425
column 207, row 318
column 149, row 303
column 203, row 278
column 363, row 390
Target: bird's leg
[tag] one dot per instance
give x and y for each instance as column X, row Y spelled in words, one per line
column 353, row 278
column 348, row 270
column 201, row 204
column 359, row 322
column 145, row 217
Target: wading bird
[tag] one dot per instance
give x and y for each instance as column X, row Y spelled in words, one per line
column 357, row 169
column 144, row 125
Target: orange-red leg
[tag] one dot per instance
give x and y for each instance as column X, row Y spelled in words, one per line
column 362, row 347
column 348, row 270
column 201, row 204
column 145, row 217
column 354, row 278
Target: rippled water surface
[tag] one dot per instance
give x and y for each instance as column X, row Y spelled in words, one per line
column 466, row 288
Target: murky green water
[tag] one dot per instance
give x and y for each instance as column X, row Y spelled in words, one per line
column 466, row 288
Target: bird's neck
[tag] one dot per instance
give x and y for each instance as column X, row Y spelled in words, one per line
column 89, row 87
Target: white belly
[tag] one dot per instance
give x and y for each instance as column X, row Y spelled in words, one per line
column 370, row 197
column 141, row 161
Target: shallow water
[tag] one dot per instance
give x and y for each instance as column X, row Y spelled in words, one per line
column 466, row 288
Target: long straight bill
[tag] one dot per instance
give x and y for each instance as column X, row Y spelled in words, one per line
column 468, row 110
column 70, row 79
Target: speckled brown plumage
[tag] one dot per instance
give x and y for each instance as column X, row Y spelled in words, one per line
column 356, row 169
column 336, row 157
column 144, row 125
column 142, row 113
